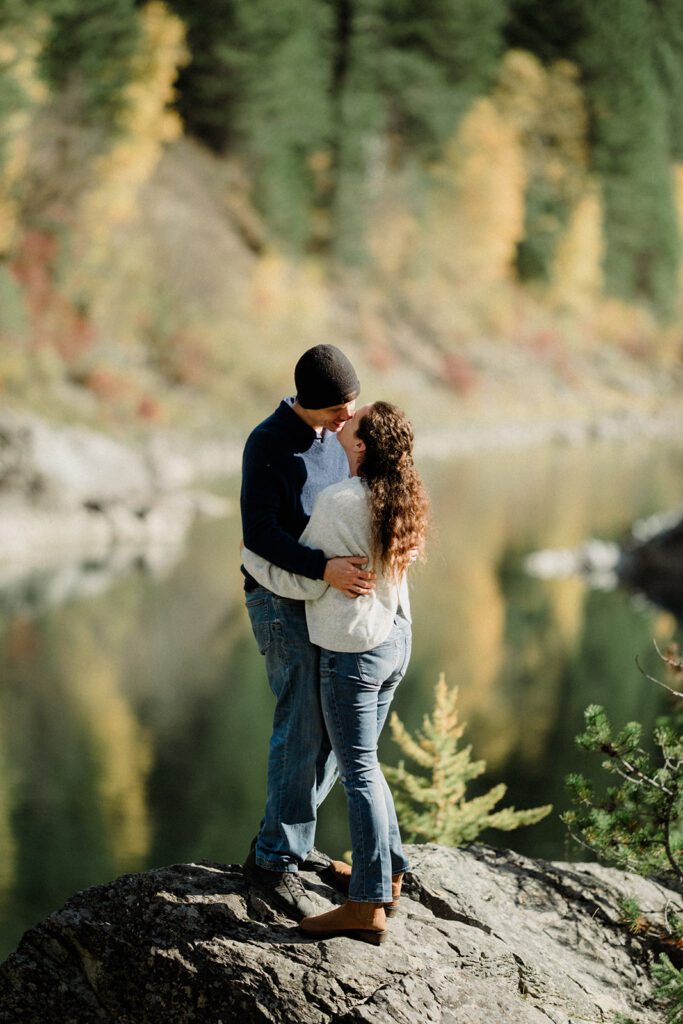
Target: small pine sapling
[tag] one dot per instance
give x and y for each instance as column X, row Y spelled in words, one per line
column 669, row 989
column 432, row 806
column 637, row 824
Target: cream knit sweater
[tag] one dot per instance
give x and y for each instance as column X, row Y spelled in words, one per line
column 339, row 525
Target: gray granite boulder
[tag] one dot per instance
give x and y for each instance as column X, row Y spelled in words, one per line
column 483, row 936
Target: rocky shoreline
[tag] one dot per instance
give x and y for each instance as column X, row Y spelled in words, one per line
column 68, row 492
column 623, row 426
column 483, row 936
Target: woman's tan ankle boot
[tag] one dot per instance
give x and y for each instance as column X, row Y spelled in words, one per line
column 338, row 875
column 364, row 921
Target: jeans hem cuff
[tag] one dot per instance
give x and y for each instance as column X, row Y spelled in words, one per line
column 271, row 865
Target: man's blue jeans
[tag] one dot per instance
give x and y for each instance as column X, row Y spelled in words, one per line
column 357, row 690
column 301, row 766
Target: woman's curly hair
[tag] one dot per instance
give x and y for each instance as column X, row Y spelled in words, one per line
column 399, row 506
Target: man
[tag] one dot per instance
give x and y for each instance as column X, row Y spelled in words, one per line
column 288, row 460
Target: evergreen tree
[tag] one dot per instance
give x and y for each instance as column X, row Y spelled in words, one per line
column 631, row 151
column 89, row 50
column 438, row 57
column 670, row 987
column 550, row 31
column 547, row 107
column 407, row 70
column 259, row 82
column 434, row 807
column 667, row 21
column 208, row 87
column 631, row 56
column 360, row 121
column 300, row 85
column 638, row 823
column 283, row 57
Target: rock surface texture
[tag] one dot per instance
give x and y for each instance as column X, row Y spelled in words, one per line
column 483, row 936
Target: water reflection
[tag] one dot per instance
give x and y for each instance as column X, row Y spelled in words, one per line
column 134, row 722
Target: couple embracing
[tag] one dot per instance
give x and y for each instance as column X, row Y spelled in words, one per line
column 333, row 513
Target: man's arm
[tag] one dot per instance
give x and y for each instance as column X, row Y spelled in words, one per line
column 322, row 530
column 262, row 489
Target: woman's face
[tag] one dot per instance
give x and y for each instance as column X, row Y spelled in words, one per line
column 347, row 436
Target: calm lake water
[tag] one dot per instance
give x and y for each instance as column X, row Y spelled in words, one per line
column 134, row 719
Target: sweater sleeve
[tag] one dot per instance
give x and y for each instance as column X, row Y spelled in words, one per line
column 263, row 487
column 279, row 581
column 323, row 531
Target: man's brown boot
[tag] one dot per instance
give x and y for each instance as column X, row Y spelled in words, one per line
column 396, row 883
column 364, row 921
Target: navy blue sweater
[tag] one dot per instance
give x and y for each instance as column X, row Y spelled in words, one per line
column 284, row 468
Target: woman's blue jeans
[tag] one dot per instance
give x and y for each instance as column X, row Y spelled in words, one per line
column 301, row 765
column 356, row 691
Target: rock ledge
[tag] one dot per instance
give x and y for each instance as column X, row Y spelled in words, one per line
column 484, row 936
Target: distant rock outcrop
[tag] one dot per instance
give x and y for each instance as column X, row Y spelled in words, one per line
column 649, row 561
column 483, row 936
column 69, row 492
column 654, row 566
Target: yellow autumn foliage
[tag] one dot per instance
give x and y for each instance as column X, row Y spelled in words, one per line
column 478, row 209
column 529, row 133
column 548, row 109
column 146, row 125
column 19, row 52
column 577, row 275
column 121, row 750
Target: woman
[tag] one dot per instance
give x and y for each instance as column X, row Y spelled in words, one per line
column 365, row 647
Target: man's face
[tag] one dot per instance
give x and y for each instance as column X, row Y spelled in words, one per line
column 334, row 417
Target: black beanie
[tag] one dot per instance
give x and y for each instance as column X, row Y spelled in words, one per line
column 325, row 377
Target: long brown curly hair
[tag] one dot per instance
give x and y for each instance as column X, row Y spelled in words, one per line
column 399, row 506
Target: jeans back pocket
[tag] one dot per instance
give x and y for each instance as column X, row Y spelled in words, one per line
column 258, row 609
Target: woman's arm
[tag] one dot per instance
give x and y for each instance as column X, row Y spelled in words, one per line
column 338, row 526
column 319, row 533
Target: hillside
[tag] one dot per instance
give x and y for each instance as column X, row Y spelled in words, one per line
column 182, row 213
column 191, row 327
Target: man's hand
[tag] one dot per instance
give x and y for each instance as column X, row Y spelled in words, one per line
column 345, row 574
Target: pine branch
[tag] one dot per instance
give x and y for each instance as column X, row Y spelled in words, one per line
column 435, row 806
